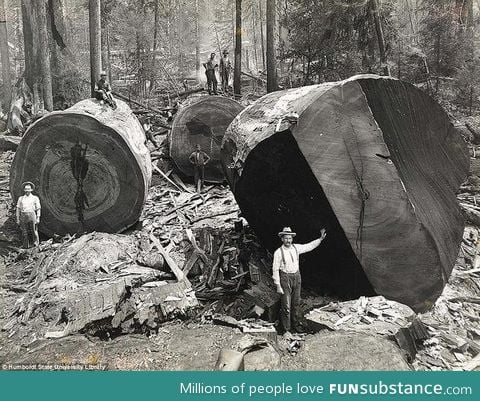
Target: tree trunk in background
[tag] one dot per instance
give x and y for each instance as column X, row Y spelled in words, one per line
column 271, row 62
column 153, row 72
column 30, row 38
column 197, row 39
column 44, row 54
column 254, row 30
column 95, row 42
column 380, row 37
column 262, row 38
column 238, row 48
column 7, row 81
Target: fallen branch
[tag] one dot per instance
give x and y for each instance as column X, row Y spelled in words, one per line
column 209, row 216
column 170, row 262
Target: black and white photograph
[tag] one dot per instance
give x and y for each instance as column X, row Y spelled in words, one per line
column 240, row 185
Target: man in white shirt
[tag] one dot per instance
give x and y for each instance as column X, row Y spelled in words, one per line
column 286, row 275
column 28, row 214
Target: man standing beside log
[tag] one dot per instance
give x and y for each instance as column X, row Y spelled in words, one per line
column 28, row 214
column 287, row 278
column 210, row 73
column 199, row 159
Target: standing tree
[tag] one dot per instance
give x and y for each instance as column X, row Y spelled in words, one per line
column 95, row 41
column 7, row 82
column 271, row 62
column 238, row 48
column 380, row 37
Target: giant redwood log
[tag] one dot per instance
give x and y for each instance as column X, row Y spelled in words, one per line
column 90, row 166
column 374, row 160
column 202, row 122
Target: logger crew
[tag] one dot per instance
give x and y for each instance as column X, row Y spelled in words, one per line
column 287, row 278
column 210, row 73
column 199, row 159
column 28, row 214
column 103, row 91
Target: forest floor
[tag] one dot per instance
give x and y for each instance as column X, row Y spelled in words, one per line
column 49, row 317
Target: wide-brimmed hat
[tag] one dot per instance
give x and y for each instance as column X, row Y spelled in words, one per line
column 286, row 231
column 28, row 183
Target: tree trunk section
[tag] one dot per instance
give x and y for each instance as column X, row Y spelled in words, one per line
column 44, row 54
column 262, row 36
column 203, row 122
column 271, row 62
column 380, row 37
column 197, row 39
column 94, row 18
column 5, row 58
column 90, row 167
column 374, row 160
column 238, row 48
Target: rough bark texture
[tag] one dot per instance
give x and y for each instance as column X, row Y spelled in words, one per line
column 44, row 55
column 238, row 48
column 271, row 62
column 5, row 59
column 373, row 159
column 95, row 42
column 102, row 188
column 203, row 122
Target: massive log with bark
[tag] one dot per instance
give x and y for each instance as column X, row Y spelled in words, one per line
column 203, row 122
column 90, row 166
column 374, row 160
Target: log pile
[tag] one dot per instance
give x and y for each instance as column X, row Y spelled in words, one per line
column 90, row 167
column 374, row 160
column 203, row 122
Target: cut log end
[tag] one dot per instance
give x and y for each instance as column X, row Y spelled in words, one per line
column 375, row 161
column 202, row 123
column 90, row 167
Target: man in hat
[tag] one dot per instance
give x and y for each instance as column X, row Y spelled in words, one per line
column 210, row 67
column 286, row 276
column 225, row 70
column 103, row 91
column 28, row 214
column 199, row 159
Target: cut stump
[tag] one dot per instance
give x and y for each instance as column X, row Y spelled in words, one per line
column 374, row 160
column 90, row 166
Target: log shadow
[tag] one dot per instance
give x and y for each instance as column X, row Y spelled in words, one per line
column 278, row 188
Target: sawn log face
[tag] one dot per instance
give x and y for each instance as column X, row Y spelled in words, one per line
column 90, row 166
column 377, row 162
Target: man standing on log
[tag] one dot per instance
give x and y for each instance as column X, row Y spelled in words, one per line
column 28, row 214
column 225, row 70
column 287, row 278
column 103, row 91
column 199, row 159
column 210, row 73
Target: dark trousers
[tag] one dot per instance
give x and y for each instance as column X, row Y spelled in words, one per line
column 29, row 229
column 211, row 81
column 290, row 302
column 199, row 176
column 225, row 78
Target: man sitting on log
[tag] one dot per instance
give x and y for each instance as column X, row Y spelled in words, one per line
column 28, row 214
column 210, row 73
column 286, row 276
column 199, row 159
column 103, row 91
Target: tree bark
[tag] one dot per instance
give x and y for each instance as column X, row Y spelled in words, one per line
column 271, row 61
column 238, row 48
column 95, row 42
column 197, row 39
column 380, row 37
column 5, row 58
column 44, row 54
column 153, row 72
column 262, row 37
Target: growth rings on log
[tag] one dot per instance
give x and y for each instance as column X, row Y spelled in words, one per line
column 374, row 160
column 90, row 166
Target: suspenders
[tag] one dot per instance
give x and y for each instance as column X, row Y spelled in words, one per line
column 283, row 254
